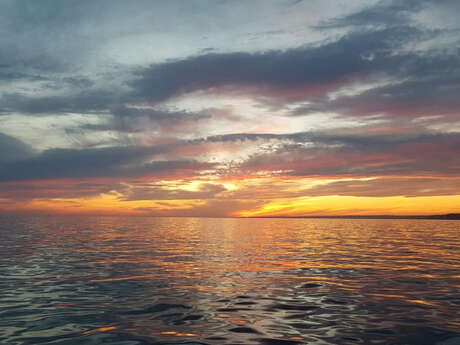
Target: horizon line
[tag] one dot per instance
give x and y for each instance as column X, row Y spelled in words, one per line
column 446, row 216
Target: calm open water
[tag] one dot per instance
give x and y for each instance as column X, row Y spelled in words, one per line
column 129, row 281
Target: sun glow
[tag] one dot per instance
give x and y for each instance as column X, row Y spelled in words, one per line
column 350, row 205
column 262, row 196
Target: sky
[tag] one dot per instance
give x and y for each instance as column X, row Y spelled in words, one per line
column 230, row 108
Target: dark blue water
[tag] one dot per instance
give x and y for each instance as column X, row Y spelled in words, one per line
column 129, row 281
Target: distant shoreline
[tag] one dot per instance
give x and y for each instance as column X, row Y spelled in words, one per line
column 450, row 216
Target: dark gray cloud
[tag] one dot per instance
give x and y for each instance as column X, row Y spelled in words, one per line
column 101, row 162
column 13, row 149
column 358, row 140
column 429, row 89
column 65, row 163
column 250, row 137
column 78, row 82
column 316, row 69
column 131, row 120
column 298, row 154
column 74, row 102
column 361, row 156
column 306, row 74
column 384, row 13
column 156, row 115
column 339, row 154
column 26, row 190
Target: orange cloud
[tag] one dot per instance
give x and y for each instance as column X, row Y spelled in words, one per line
column 249, row 197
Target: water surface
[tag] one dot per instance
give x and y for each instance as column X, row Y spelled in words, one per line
column 130, row 281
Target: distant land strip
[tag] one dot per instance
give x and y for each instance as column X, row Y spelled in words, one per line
column 449, row 216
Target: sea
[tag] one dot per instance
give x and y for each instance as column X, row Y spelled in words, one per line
column 68, row 280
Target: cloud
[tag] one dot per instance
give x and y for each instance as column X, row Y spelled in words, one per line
column 313, row 69
column 384, row 13
column 13, row 149
column 361, row 156
column 392, row 186
column 222, row 93
column 131, row 120
column 161, row 192
column 207, row 208
column 100, row 162
column 67, row 189
column 295, row 154
column 275, row 78
column 74, row 102
column 429, row 90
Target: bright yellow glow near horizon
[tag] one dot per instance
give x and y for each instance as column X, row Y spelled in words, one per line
column 245, row 197
column 105, row 204
column 304, row 206
column 350, row 205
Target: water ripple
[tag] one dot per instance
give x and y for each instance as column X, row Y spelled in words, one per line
column 132, row 281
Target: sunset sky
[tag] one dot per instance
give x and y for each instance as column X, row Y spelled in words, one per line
column 230, row 108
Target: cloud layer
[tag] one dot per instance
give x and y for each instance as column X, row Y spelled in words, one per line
column 112, row 105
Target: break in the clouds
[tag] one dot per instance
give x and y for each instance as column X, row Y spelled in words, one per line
column 228, row 107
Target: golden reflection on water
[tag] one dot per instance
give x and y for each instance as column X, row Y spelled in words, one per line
column 99, row 330
column 288, row 279
column 202, row 248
